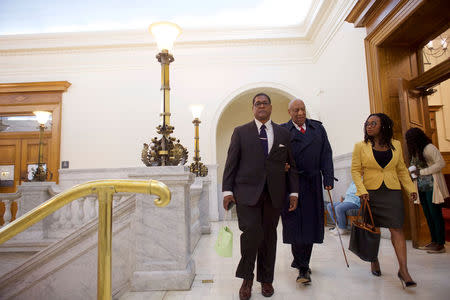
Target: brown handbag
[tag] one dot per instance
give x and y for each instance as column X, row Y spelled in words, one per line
column 364, row 237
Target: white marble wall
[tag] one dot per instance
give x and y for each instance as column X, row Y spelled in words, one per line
column 342, row 171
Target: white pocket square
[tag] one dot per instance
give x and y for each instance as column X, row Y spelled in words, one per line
column 281, row 145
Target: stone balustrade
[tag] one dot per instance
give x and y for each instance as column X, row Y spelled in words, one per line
column 156, row 244
column 8, row 207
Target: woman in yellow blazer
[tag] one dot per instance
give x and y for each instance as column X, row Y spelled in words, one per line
column 379, row 172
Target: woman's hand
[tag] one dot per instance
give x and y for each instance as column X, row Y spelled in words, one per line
column 364, row 197
column 413, row 196
column 415, row 174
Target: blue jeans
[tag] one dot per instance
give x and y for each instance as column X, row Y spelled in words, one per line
column 341, row 208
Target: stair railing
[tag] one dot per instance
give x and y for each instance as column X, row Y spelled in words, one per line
column 104, row 190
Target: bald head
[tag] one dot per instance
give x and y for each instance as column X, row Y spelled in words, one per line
column 297, row 111
column 293, row 101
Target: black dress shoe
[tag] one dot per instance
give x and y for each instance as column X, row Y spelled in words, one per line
column 304, row 276
column 407, row 284
column 375, row 268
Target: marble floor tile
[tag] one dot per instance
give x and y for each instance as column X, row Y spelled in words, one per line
column 331, row 279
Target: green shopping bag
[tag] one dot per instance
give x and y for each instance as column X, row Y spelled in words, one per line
column 224, row 243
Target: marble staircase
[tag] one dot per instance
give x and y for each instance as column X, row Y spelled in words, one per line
column 152, row 247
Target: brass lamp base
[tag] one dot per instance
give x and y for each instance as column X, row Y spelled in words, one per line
column 198, row 168
column 40, row 174
column 167, row 151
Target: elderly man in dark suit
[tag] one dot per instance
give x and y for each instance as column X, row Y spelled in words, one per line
column 256, row 181
column 313, row 159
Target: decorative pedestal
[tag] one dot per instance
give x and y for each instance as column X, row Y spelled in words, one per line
column 163, row 255
column 33, row 194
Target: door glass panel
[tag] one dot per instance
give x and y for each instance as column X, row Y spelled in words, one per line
column 22, row 123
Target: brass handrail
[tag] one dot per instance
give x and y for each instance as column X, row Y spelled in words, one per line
column 104, row 190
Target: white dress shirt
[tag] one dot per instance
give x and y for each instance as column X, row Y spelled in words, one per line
column 269, row 132
column 298, row 127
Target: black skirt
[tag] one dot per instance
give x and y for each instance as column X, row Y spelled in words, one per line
column 387, row 207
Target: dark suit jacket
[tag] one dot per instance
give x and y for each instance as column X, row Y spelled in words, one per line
column 247, row 169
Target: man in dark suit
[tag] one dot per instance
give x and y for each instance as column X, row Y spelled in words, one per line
column 313, row 159
column 256, row 181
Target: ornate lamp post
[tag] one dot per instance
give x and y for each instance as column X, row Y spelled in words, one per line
column 40, row 174
column 167, row 151
column 198, row 168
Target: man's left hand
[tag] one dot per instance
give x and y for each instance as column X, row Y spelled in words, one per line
column 328, row 187
column 286, row 167
column 293, row 201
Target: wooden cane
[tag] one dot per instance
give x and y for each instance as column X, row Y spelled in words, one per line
column 337, row 228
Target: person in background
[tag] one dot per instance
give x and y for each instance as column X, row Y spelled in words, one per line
column 350, row 201
column 431, row 184
column 379, row 172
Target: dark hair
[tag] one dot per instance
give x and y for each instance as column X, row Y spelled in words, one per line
column 261, row 94
column 386, row 130
column 416, row 140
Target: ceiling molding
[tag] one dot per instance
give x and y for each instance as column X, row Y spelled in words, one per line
column 324, row 19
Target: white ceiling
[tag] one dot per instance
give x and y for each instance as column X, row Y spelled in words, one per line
column 47, row 16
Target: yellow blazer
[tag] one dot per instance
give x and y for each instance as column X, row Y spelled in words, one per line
column 368, row 175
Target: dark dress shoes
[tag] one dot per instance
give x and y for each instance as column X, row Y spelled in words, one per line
column 375, row 268
column 436, row 248
column 245, row 292
column 304, row 276
column 266, row 289
column 405, row 283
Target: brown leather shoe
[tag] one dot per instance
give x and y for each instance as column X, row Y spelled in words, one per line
column 436, row 249
column 427, row 247
column 266, row 289
column 245, row 292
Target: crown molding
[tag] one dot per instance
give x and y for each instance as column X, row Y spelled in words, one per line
column 323, row 20
column 140, row 38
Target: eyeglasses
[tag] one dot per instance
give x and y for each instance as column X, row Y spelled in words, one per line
column 266, row 103
column 370, row 124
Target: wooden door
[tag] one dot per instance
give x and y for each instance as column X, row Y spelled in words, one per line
column 10, row 155
column 20, row 147
column 30, row 155
column 22, row 150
